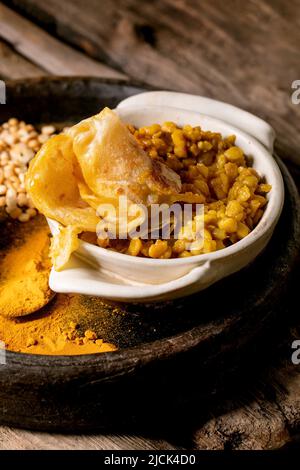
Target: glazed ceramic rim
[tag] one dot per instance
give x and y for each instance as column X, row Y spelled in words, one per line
column 267, row 222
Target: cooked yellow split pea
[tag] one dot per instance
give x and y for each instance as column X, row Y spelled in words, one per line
column 213, row 167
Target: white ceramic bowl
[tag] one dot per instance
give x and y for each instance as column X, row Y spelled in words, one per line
column 96, row 271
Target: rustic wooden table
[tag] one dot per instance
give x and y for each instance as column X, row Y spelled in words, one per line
column 245, row 53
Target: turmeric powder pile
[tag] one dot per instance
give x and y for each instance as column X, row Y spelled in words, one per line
column 24, row 268
column 32, row 318
column 60, row 328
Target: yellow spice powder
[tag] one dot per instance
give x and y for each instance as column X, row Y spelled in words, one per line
column 65, row 324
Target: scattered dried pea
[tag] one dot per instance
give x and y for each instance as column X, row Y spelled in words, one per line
column 19, row 142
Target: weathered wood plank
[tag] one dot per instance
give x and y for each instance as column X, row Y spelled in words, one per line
column 268, row 421
column 245, row 53
column 18, row 439
column 46, row 51
column 13, row 65
column 262, row 408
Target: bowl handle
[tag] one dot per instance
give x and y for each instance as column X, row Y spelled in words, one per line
column 81, row 278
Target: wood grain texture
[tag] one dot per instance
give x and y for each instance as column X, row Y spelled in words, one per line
column 18, row 439
column 47, row 52
column 13, row 65
column 264, row 417
column 245, row 53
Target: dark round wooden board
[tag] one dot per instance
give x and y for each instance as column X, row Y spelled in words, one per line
column 169, row 354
